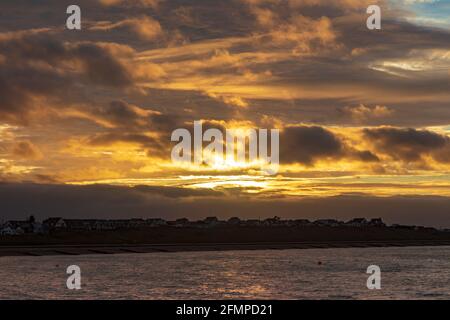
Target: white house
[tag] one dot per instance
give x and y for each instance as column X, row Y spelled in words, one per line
column 7, row 231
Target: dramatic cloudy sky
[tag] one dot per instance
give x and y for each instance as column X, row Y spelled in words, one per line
column 86, row 115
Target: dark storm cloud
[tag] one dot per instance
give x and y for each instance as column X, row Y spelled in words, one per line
column 409, row 144
column 132, row 124
column 90, row 201
column 365, row 156
column 166, row 123
column 307, row 144
column 101, row 66
column 35, row 65
column 121, row 114
column 20, row 85
column 152, row 146
column 398, row 37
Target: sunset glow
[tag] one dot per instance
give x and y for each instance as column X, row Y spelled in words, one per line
column 361, row 113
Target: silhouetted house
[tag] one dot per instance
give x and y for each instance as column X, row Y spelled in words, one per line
column 55, row 223
column 13, row 227
column 403, row 227
column 302, row 222
column 422, row 228
column 118, row 223
column 182, row 222
column 357, row 222
column 27, row 226
column 427, row 229
column 252, row 223
column 103, row 225
column 136, row 223
column 21, row 226
column 287, row 223
column 377, row 222
column 328, row 222
column 272, row 221
column 79, row 224
column 155, row 222
column 40, row 228
column 7, row 231
column 234, row 221
column 211, row 221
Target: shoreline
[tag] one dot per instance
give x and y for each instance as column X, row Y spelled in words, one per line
column 84, row 249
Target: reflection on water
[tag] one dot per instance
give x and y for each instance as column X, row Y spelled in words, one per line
column 414, row 273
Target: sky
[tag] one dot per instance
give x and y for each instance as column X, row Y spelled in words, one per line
column 430, row 12
column 364, row 115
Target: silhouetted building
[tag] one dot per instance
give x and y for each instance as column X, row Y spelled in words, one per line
column 55, row 223
column 234, row 221
column 211, row 221
column 328, row 222
column 357, row 222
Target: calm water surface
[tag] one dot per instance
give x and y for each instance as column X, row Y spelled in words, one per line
column 407, row 273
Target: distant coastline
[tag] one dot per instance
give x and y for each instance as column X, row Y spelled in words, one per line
column 76, row 237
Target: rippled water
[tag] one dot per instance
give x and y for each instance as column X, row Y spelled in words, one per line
column 407, row 273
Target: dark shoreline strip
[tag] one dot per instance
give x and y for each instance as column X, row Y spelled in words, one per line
column 168, row 248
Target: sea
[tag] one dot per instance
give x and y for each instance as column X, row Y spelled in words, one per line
column 405, row 273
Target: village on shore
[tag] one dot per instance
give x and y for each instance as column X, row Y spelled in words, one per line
column 32, row 226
